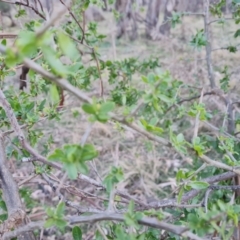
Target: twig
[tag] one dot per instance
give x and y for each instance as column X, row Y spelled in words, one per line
column 55, row 17
column 191, row 194
column 219, row 20
column 224, row 166
column 27, row 228
column 28, row 6
column 146, row 221
column 101, row 232
column 12, row 118
column 75, row 19
column 195, row 134
column 205, row 202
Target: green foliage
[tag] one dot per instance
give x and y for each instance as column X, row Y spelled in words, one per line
column 3, row 209
column 115, row 176
column 199, row 109
column 216, row 8
column 99, row 112
column 74, row 157
column 131, row 217
column 56, row 217
column 199, row 40
column 198, row 146
column 25, row 193
column 225, row 80
column 176, row 19
column 178, row 142
column 198, row 185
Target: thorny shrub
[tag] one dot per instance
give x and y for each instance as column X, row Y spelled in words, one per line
column 203, row 202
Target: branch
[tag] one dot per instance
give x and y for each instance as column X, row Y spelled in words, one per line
column 217, row 164
column 16, row 214
column 10, row 194
column 146, row 221
column 63, row 83
column 191, row 194
column 27, row 228
column 17, row 129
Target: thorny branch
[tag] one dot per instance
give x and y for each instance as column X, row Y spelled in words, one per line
column 147, row 221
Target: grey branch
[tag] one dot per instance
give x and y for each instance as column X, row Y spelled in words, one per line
column 146, row 221
column 27, row 228
column 10, row 194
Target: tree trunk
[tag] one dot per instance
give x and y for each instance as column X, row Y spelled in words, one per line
column 152, row 16
column 127, row 19
column 170, row 5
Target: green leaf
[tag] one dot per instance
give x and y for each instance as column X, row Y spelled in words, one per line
column 89, row 108
column 4, row 42
column 54, row 95
column 54, row 61
column 11, row 58
column 77, row 233
column 67, row 46
column 60, row 209
column 131, row 207
column 3, row 205
column 232, row 49
column 198, row 185
column 50, row 223
column 71, row 169
column 165, row 99
column 107, row 107
column 115, row 176
column 60, row 224
column 237, row 33
column 88, row 152
column 57, row 155
column 180, row 138
column 180, row 194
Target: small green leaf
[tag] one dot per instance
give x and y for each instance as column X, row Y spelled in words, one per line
column 49, row 223
column 54, row 95
column 60, row 209
column 3, row 205
column 198, row 185
column 67, row 46
column 107, row 107
column 237, row 33
column 180, row 138
column 57, row 155
column 88, row 108
column 77, row 233
column 4, row 42
column 88, row 152
column 180, row 194
column 54, row 61
column 165, row 99
column 71, row 169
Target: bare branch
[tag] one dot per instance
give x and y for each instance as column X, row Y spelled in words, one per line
column 27, row 228
column 146, row 221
